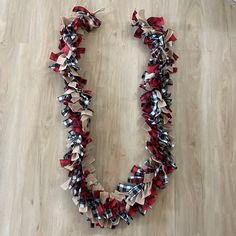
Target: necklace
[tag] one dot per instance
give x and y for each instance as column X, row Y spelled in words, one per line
column 139, row 193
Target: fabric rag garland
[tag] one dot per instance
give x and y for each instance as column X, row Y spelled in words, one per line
column 139, row 193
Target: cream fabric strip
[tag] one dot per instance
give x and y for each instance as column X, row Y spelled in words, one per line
column 65, row 185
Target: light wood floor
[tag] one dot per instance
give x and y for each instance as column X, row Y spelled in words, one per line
column 201, row 197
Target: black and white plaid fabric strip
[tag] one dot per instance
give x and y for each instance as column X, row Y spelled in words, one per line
column 84, row 100
column 68, row 122
column 65, row 111
column 67, row 155
column 68, row 38
column 147, row 76
column 73, row 136
column 82, row 203
column 75, row 142
column 84, row 96
column 77, row 192
column 141, row 211
column 107, row 213
column 152, row 61
column 81, row 151
column 155, row 110
column 124, row 188
column 157, row 40
column 124, row 216
column 139, row 172
column 148, row 162
column 155, row 52
column 157, row 169
column 75, row 67
column 72, row 132
column 75, row 139
column 63, row 97
column 77, row 177
column 95, row 211
column 171, row 162
column 70, row 75
column 97, row 201
column 135, row 191
column 164, row 138
column 164, row 177
column 72, row 183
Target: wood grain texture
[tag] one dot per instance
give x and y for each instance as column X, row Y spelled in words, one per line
column 201, row 197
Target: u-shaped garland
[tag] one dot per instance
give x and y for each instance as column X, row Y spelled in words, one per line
column 138, row 194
